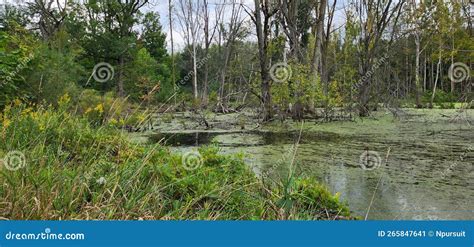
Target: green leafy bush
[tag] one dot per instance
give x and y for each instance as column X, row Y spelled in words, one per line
column 106, row 109
column 16, row 52
column 440, row 97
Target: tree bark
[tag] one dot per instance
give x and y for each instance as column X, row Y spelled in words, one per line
column 438, row 71
column 195, row 88
column 205, row 85
column 263, row 30
column 417, row 72
column 316, row 65
column 173, row 68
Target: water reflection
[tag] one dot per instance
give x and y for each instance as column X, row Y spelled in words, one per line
column 410, row 185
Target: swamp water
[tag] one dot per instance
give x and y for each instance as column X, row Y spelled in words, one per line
column 426, row 160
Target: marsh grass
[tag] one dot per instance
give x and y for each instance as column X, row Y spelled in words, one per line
column 77, row 170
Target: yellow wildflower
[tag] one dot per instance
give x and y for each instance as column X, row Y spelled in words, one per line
column 26, row 111
column 64, row 99
column 99, row 108
column 42, row 127
column 34, row 115
column 88, row 110
column 17, row 102
column 113, row 121
column 6, row 123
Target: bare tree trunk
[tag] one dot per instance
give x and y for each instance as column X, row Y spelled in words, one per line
column 230, row 35
column 432, row 75
column 205, row 85
column 374, row 17
column 195, row 83
column 263, row 30
column 189, row 19
column 173, row 67
column 417, row 72
column 438, row 71
column 364, row 89
column 316, row 65
column 424, row 73
column 207, row 42
column 221, row 104
column 452, row 62
column 289, row 20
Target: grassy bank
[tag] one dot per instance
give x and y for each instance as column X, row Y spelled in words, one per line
column 77, row 170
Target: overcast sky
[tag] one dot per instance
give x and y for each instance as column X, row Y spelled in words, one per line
column 161, row 6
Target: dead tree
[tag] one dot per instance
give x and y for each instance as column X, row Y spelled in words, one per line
column 374, row 18
column 190, row 21
column 229, row 35
column 51, row 15
column 209, row 33
column 261, row 17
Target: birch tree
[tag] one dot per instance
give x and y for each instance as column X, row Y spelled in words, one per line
column 190, row 23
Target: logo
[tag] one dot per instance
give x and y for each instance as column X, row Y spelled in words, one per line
column 103, row 72
column 370, row 160
column 191, row 160
column 280, row 72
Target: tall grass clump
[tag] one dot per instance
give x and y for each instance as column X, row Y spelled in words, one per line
column 77, row 170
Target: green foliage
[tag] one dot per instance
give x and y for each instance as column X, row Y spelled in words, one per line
column 334, row 98
column 44, row 70
column 153, row 37
column 276, row 48
column 105, row 109
column 54, row 70
column 302, row 87
column 440, row 97
column 143, row 77
column 77, row 171
column 16, row 51
column 299, row 199
column 37, row 71
column 281, row 95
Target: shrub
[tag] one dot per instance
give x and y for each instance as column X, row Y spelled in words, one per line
column 106, row 109
column 440, row 97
